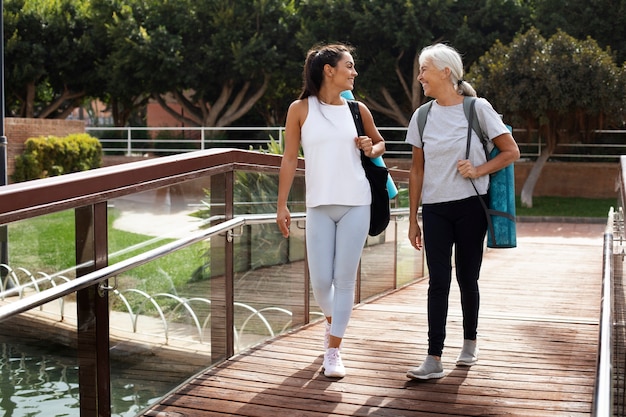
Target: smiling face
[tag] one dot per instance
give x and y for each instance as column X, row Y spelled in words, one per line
column 432, row 78
column 343, row 74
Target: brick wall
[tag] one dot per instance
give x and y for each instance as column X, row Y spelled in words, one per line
column 571, row 179
column 18, row 130
column 560, row 179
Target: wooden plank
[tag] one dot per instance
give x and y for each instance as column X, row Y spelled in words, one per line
column 538, row 336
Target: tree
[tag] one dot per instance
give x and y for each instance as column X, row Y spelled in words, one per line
column 138, row 46
column 390, row 34
column 485, row 22
column 603, row 20
column 49, row 54
column 564, row 87
column 215, row 58
column 387, row 35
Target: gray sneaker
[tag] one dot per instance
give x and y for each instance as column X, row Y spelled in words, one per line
column 431, row 368
column 469, row 353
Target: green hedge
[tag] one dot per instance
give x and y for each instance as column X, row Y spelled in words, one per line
column 49, row 156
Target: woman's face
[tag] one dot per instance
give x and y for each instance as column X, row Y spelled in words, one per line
column 431, row 78
column 343, row 74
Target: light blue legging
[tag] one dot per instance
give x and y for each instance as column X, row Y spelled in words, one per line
column 335, row 236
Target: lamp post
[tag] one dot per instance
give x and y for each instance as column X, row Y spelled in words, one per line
column 4, row 233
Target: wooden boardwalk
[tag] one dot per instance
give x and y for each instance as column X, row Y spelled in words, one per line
column 538, row 336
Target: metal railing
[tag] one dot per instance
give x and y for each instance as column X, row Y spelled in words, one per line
column 136, row 141
column 609, row 398
column 603, row 390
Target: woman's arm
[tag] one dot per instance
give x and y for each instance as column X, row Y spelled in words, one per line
column 373, row 143
column 416, row 181
column 509, row 153
column 295, row 117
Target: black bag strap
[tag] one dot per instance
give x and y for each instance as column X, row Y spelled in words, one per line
column 488, row 212
column 422, row 113
column 492, row 233
column 360, row 130
column 356, row 115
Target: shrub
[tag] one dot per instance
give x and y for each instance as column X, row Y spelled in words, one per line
column 48, row 156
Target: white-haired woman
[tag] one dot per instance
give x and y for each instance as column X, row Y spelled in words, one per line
column 452, row 214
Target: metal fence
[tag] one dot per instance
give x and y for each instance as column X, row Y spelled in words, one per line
column 136, row 141
column 610, row 384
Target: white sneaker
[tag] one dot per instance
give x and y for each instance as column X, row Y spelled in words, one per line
column 431, row 368
column 333, row 366
column 469, row 353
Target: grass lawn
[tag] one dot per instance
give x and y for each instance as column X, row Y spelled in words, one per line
column 566, row 207
column 46, row 244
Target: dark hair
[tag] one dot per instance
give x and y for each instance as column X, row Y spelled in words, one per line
column 316, row 58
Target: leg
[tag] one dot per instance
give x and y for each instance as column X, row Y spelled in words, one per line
column 350, row 230
column 471, row 230
column 352, row 227
column 438, row 238
column 320, row 246
column 471, row 227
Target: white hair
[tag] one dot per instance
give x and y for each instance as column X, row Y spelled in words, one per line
column 444, row 56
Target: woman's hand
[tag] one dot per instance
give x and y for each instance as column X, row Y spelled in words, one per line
column 466, row 169
column 365, row 143
column 283, row 220
column 415, row 236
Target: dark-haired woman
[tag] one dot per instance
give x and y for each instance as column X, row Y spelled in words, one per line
column 338, row 196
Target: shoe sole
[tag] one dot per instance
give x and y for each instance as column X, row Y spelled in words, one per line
column 333, row 375
column 461, row 362
column 433, row 375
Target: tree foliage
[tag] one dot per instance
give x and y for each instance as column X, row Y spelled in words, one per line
column 49, row 57
column 219, row 59
column 214, row 58
column 564, row 87
column 602, row 20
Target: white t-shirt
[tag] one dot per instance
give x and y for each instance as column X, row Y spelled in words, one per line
column 334, row 174
column 445, row 143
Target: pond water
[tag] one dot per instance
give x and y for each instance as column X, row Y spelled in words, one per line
column 40, row 379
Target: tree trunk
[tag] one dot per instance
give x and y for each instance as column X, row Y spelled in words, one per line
column 533, row 176
column 552, row 138
column 30, row 101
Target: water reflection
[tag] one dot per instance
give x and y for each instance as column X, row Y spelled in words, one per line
column 40, row 379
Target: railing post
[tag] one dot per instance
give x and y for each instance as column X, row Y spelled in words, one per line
column 4, row 232
column 93, row 313
column 222, row 271
column 129, row 141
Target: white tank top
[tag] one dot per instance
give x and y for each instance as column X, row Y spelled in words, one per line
column 333, row 174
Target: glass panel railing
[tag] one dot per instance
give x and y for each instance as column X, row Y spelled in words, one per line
column 169, row 316
column 41, row 251
column 377, row 263
column 160, row 326
column 38, row 363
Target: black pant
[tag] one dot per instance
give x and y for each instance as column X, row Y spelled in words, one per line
column 463, row 224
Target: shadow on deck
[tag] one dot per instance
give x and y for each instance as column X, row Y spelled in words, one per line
column 538, row 335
